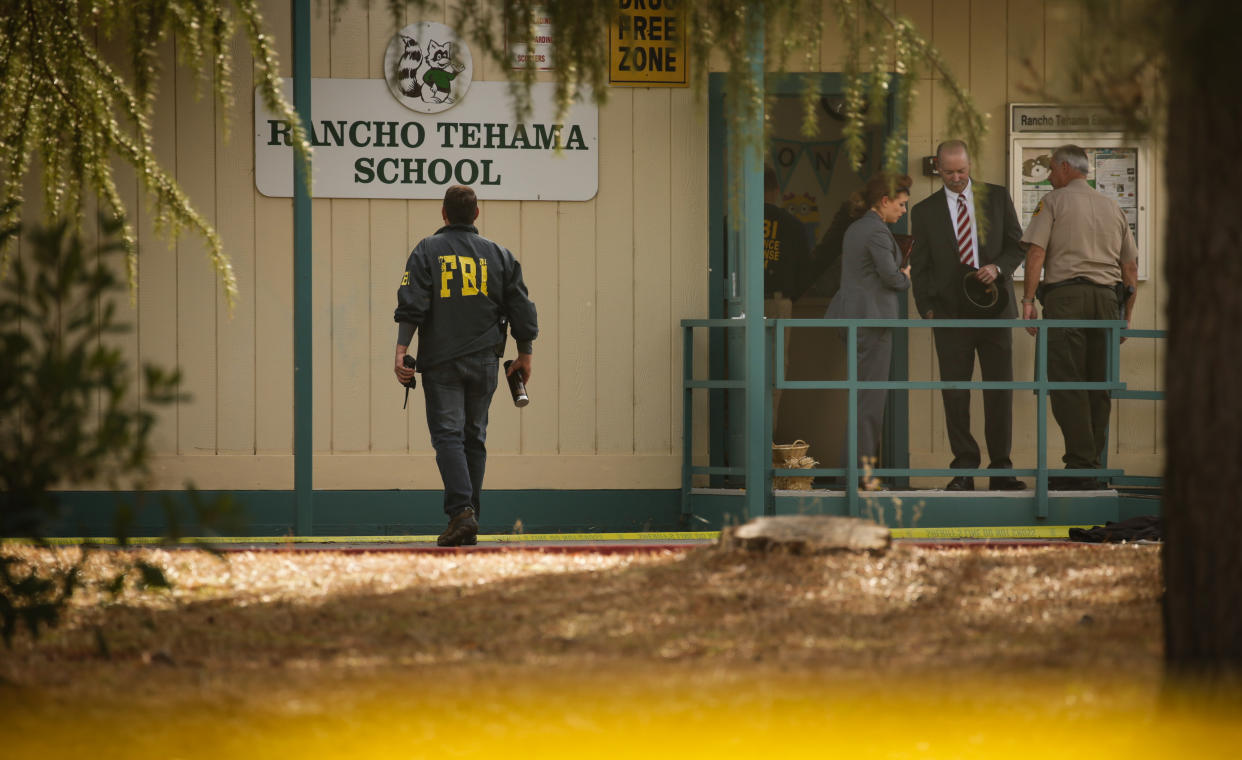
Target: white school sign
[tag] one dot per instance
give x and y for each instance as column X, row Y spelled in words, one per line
column 368, row 145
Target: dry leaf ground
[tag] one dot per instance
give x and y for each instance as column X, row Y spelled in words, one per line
column 916, row 653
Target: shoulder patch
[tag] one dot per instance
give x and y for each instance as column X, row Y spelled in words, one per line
column 1038, row 207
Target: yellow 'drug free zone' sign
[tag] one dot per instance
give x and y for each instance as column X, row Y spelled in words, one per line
column 647, row 45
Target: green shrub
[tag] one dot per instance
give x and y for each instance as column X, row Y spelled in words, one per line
column 67, row 414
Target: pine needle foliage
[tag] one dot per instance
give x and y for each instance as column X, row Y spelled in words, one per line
column 69, row 415
column 67, row 112
column 1126, row 68
column 883, row 51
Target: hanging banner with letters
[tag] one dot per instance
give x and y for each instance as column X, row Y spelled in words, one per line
column 368, row 145
column 822, row 154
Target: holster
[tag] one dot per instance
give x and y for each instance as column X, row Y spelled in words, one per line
column 503, row 326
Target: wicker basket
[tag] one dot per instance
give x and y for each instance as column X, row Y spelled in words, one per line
column 782, row 452
column 792, row 456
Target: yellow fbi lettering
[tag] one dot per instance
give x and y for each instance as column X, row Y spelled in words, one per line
column 472, row 275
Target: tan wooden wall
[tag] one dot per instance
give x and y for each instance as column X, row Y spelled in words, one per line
column 1006, row 52
column 611, row 278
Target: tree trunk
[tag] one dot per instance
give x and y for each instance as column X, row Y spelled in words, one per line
column 1203, row 414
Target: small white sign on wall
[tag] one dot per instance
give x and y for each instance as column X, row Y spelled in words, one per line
column 541, row 55
column 368, row 145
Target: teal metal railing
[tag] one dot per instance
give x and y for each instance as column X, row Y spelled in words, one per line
column 760, row 470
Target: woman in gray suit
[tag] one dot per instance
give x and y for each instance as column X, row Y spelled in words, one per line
column 872, row 281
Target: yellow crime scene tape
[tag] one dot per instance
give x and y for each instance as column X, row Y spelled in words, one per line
column 983, row 532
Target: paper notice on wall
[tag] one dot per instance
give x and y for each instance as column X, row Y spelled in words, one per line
column 1116, row 175
column 1032, row 198
column 1036, row 169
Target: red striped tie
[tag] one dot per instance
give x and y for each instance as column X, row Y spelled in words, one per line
column 965, row 246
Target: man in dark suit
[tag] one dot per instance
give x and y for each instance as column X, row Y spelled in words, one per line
column 959, row 233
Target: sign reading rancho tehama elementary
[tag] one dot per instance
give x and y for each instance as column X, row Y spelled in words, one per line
column 369, row 144
column 647, row 45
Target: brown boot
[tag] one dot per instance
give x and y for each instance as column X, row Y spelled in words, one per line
column 462, row 527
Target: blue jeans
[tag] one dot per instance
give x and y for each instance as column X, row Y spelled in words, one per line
column 458, row 393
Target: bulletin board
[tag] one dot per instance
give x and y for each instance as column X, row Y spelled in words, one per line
column 1119, row 167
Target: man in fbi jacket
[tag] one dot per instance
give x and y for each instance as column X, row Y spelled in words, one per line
column 460, row 292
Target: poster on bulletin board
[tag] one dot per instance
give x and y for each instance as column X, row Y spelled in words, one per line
column 1112, row 171
column 1120, row 167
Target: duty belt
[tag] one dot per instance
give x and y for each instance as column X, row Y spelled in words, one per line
column 1047, row 287
column 1122, row 290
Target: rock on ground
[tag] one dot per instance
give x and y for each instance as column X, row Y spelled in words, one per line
column 807, row 534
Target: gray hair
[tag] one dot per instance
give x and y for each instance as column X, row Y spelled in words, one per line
column 1073, row 155
column 952, row 146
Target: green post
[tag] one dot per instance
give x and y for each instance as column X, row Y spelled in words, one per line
column 303, row 439
column 1041, row 422
column 1114, row 376
column 759, row 499
column 687, row 418
column 851, row 421
column 718, row 440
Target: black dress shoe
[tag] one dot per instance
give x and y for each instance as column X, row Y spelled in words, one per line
column 1006, row 483
column 961, row 483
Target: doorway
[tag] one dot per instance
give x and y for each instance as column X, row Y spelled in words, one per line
column 814, row 178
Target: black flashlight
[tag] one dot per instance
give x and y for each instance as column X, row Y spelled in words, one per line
column 517, row 387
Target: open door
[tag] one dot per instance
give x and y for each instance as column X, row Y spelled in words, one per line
column 815, row 178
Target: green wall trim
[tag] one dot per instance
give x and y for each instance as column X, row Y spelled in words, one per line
column 398, row 513
column 381, row 513
column 935, row 510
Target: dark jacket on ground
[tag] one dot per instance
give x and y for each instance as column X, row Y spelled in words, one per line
column 458, row 291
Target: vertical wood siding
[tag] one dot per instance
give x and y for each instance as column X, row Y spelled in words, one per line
column 1008, row 52
column 611, row 278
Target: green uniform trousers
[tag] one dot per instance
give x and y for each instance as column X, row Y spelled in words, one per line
column 1080, row 355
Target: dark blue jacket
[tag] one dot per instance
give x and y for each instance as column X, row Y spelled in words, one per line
column 459, row 290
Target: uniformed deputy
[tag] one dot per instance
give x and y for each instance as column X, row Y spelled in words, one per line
column 459, row 291
column 1081, row 242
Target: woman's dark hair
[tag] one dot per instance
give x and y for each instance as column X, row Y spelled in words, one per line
column 881, row 185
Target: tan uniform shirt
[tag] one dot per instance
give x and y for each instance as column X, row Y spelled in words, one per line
column 1083, row 233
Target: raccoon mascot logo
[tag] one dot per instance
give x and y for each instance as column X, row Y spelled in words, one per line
column 427, row 67
column 407, row 68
